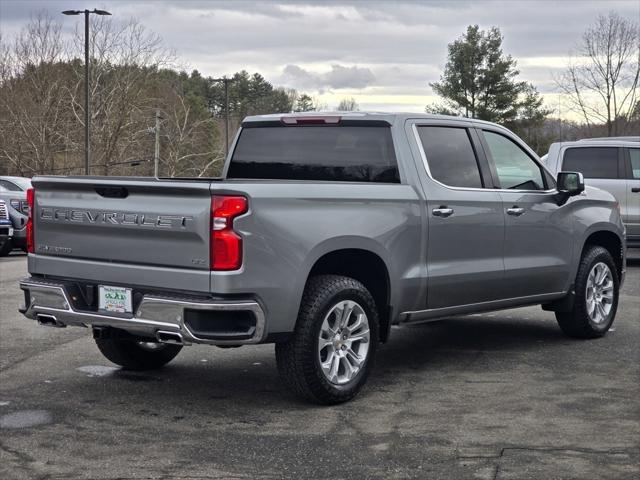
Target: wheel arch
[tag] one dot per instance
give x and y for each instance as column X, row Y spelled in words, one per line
column 610, row 241
column 369, row 268
column 600, row 235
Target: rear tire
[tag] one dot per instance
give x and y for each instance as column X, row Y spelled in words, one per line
column 596, row 298
column 135, row 355
column 330, row 355
column 6, row 247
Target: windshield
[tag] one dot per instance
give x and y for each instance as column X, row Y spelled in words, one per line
column 14, row 184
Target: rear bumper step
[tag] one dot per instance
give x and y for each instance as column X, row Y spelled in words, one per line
column 166, row 319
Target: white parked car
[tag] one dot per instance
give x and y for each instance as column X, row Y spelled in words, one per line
column 6, row 229
column 611, row 164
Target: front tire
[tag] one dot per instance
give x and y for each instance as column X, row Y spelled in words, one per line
column 137, row 355
column 596, row 297
column 330, row 355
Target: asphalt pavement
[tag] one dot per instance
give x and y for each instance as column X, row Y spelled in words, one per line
column 494, row 396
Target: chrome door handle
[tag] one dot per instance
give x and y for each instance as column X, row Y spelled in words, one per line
column 515, row 211
column 443, row 212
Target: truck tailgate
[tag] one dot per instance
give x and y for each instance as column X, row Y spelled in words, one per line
column 139, row 221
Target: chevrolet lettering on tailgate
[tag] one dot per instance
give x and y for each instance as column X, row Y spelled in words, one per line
column 115, row 218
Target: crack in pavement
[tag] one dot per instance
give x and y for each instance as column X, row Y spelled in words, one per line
column 11, row 366
column 24, row 462
column 588, row 451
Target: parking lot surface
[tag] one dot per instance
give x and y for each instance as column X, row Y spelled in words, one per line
column 494, row 396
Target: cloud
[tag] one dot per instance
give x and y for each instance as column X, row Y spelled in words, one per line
column 339, row 77
column 353, row 47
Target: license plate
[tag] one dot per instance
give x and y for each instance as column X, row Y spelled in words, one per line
column 115, row 299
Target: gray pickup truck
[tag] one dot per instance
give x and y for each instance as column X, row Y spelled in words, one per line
column 323, row 231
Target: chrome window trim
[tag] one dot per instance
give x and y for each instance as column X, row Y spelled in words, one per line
column 425, row 163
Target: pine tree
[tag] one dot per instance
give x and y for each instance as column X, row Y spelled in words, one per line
column 479, row 81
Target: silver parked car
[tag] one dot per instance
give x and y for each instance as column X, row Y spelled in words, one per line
column 13, row 190
column 611, row 164
column 6, row 229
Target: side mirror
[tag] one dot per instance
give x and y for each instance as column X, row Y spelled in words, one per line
column 570, row 183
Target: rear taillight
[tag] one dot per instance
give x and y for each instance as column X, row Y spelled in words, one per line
column 226, row 244
column 30, row 230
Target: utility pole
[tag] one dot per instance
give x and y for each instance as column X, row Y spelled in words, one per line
column 560, row 117
column 226, row 116
column 225, row 81
column 156, row 153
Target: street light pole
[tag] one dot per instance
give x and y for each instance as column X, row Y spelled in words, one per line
column 87, row 104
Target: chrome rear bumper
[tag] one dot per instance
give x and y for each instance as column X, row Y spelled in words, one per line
column 160, row 317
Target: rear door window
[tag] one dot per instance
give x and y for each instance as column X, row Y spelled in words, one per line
column 350, row 153
column 450, row 156
column 592, row 162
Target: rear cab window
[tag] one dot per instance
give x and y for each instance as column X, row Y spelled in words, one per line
column 348, row 151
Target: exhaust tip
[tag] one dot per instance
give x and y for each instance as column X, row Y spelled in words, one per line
column 169, row 337
column 49, row 320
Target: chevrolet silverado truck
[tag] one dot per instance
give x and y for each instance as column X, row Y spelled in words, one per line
column 323, row 231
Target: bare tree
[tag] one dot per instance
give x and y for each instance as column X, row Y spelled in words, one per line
column 348, row 105
column 32, row 78
column 124, row 59
column 189, row 147
column 601, row 81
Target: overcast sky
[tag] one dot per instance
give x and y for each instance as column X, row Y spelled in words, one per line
column 383, row 53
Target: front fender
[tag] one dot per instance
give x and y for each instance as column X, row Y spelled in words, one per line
column 595, row 211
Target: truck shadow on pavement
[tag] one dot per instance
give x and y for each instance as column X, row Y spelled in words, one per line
column 462, row 346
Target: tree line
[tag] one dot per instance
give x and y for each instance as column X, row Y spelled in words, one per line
column 133, row 79
column 42, row 104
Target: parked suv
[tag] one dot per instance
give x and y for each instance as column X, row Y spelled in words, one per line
column 13, row 190
column 612, row 164
column 324, row 230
